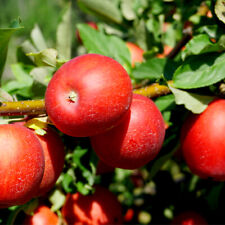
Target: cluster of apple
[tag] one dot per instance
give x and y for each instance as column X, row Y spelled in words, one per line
column 30, row 164
column 102, row 207
column 91, row 96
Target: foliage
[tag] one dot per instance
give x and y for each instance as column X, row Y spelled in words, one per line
column 194, row 72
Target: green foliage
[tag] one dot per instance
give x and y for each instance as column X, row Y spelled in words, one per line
column 194, row 74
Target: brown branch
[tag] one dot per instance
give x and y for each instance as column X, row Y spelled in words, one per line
column 37, row 107
column 153, row 90
column 19, row 108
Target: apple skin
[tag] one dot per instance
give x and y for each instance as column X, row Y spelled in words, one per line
column 202, row 141
column 54, row 153
column 136, row 53
column 101, row 93
column 189, row 218
column 136, row 140
column 42, row 216
column 21, row 165
column 100, row 208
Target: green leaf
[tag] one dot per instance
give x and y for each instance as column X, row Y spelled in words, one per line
column 155, row 68
column 220, row 10
column 165, row 102
column 46, row 57
column 151, row 69
column 42, row 74
column 201, row 44
column 21, row 84
column 57, row 199
column 104, row 9
column 38, row 38
column 68, row 183
column 194, row 102
column 127, row 9
column 200, row 71
column 111, row 46
column 4, row 96
column 83, row 188
column 5, row 35
column 64, row 35
column 77, row 155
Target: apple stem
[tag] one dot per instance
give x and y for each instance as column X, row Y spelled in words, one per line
column 37, row 107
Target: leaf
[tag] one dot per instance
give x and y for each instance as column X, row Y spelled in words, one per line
column 151, row 69
column 5, row 35
column 155, row 68
column 77, row 155
column 165, row 102
column 127, row 9
column 4, row 96
column 68, row 183
column 38, row 39
column 64, row 35
column 201, row 44
column 21, row 84
column 57, row 199
column 220, row 10
column 200, row 71
column 38, row 124
column 46, row 57
column 105, row 9
column 42, row 74
column 194, row 102
column 97, row 42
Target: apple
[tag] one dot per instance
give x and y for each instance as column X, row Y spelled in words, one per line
column 42, row 216
column 88, row 95
column 99, row 208
column 21, row 164
column 136, row 53
column 54, row 159
column 91, row 24
column 166, row 50
column 202, row 141
column 136, row 140
column 189, row 218
column 103, row 168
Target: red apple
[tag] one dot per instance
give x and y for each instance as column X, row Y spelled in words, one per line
column 100, row 208
column 54, row 159
column 136, row 53
column 136, row 140
column 88, row 95
column 202, row 141
column 42, row 216
column 21, row 164
column 189, row 218
column 103, row 168
column 91, row 24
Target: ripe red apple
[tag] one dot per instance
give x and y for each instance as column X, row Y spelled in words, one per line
column 42, row 216
column 21, row 164
column 88, row 95
column 103, row 168
column 136, row 53
column 100, row 208
column 202, row 141
column 91, row 24
column 54, row 159
column 136, row 140
column 189, row 218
